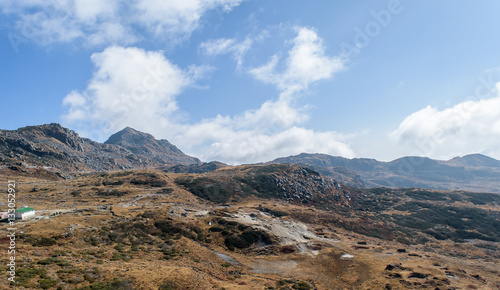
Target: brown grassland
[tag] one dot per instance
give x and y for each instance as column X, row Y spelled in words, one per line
column 143, row 230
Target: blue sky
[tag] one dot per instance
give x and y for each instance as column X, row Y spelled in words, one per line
column 248, row 81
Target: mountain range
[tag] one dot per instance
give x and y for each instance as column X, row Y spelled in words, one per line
column 475, row 172
column 57, row 150
column 102, row 209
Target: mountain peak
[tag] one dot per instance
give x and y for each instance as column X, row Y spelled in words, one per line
column 129, row 135
column 142, row 143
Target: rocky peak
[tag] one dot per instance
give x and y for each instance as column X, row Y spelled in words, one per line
column 130, row 137
column 53, row 130
column 145, row 144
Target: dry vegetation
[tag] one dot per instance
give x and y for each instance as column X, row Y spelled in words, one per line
column 233, row 230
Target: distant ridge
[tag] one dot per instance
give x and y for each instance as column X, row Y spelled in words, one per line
column 475, row 160
column 475, row 172
column 56, row 151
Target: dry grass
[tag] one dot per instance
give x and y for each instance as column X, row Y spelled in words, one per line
column 93, row 211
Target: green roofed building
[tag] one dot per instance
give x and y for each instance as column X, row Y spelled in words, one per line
column 24, row 213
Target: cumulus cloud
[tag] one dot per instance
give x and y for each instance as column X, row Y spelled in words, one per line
column 250, row 146
column 306, row 63
column 131, row 86
column 138, row 88
column 177, row 17
column 468, row 127
column 95, row 22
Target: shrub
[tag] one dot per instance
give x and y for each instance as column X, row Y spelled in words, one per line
column 149, row 214
column 58, row 262
column 120, row 256
column 93, row 241
column 273, row 212
column 168, row 228
column 151, row 180
column 119, row 248
column 47, row 283
column 206, row 188
column 110, row 182
column 246, row 239
column 25, row 274
column 216, row 229
column 165, row 190
column 171, row 254
column 168, row 286
column 301, row 286
column 116, row 284
column 45, row 242
column 112, row 192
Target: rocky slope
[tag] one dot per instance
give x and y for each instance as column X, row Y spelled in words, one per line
column 472, row 172
column 53, row 148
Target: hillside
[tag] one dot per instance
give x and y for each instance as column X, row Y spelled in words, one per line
column 475, row 172
column 54, row 149
column 250, row 227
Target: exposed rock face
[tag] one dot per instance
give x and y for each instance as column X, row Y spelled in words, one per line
column 339, row 171
column 308, row 186
column 474, row 172
column 61, row 150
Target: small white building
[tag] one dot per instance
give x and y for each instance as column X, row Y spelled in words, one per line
column 4, row 215
column 24, row 213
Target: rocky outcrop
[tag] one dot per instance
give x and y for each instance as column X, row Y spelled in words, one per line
column 308, row 186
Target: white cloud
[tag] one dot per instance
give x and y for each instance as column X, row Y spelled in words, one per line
column 251, row 146
column 220, row 46
column 217, row 46
column 130, row 87
column 137, row 88
column 111, row 33
column 177, row 17
column 306, row 63
column 95, row 22
column 468, row 127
